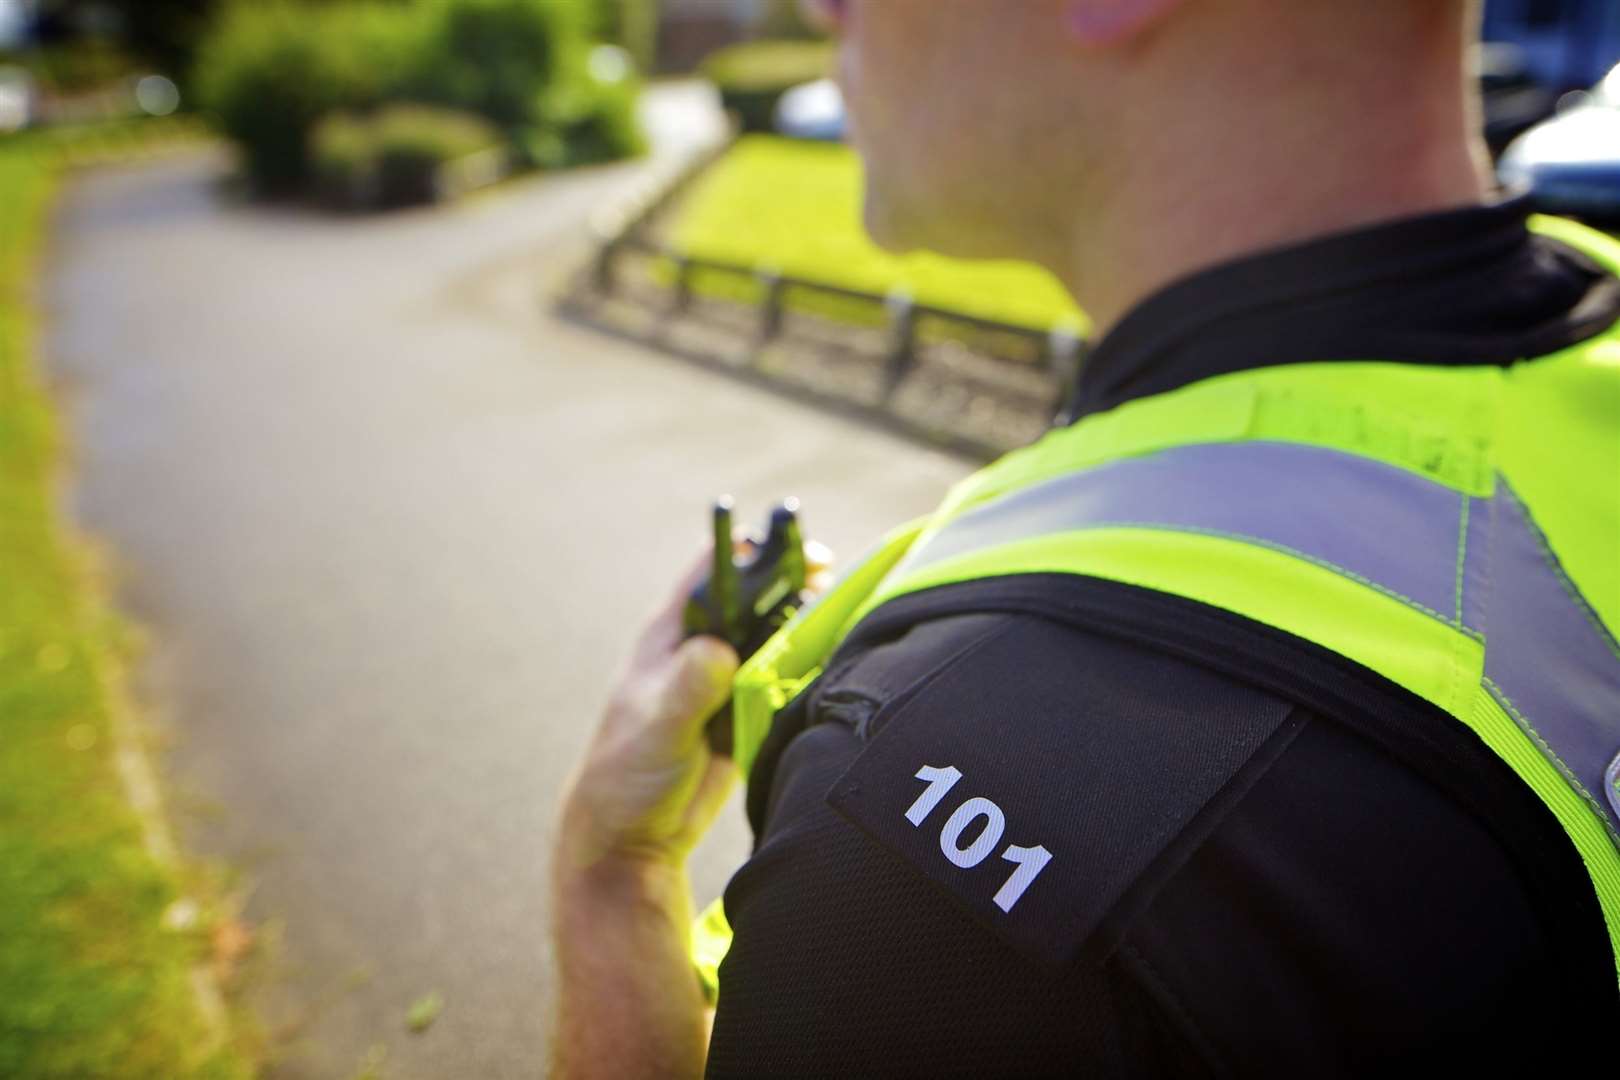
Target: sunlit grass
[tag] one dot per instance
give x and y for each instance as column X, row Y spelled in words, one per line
column 91, row 983
column 793, row 207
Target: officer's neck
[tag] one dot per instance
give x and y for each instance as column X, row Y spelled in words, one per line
column 1207, row 185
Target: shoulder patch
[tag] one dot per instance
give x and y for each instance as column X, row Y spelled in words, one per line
column 1040, row 777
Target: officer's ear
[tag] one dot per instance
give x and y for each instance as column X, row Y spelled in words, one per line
column 1100, row 24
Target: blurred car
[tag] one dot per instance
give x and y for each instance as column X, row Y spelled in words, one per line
column 1571, row 163
column 814, row 110
column 1513, row 101
column 19, row 100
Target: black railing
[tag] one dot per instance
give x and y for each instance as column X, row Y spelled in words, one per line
column 904, row 327
column 1060, row 350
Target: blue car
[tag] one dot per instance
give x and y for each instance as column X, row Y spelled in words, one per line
column 1571, row 163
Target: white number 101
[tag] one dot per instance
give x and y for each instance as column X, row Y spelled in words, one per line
column 1029, row 860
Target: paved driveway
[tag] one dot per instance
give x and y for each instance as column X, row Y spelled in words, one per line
column 390, row 526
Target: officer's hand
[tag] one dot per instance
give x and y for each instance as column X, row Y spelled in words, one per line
column 645, row 791
column 648, row 785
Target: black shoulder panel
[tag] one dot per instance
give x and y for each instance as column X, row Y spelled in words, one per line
column 859, row 684
column 1255, row 856
column 1281, row 667
column 1038, row 777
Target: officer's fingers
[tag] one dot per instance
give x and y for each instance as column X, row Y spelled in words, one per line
column 663, row 632
column 711, row 795
column 817, row 556
column 694, row 682
column 819, row 582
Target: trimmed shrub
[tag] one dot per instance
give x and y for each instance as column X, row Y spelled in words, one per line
column 403, row 154
column 422, row 152
column 343, row 161
column 753, row 76
column 785, row 19
column 270, row 72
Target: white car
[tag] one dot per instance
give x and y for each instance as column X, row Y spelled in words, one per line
column 812, row 111
column 1571, row 163
column 19, row 100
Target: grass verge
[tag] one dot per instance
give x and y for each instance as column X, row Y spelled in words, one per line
column 92, row 983
column 793, row 207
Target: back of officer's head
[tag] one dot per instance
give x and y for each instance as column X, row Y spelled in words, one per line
column 982, row 121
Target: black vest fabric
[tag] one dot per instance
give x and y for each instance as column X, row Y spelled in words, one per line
column 1264, row 859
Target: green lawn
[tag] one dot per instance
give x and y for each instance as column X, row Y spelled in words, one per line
column 91, row 984
column 794, row 207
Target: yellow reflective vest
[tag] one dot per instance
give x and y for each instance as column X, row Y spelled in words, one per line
column 1454, row 529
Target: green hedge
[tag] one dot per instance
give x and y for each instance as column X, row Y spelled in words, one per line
column 343, row 161
column 403, row 154
column 752, row 77
column 499, row 58
column 271, row 72
column 592, row 115
column 75, row 67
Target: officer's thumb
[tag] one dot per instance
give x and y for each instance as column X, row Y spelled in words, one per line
column 698, row 680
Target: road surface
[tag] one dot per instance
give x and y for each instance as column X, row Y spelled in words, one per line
column 389, row 525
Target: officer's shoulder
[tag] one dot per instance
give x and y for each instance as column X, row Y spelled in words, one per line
column 1037, row 771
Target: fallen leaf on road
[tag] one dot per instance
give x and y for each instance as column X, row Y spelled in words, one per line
column 424, row 1011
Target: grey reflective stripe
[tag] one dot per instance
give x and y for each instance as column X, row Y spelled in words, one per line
column 1359, row 516
column 1548, row 660
column 1612, row 783
column 1479, row 565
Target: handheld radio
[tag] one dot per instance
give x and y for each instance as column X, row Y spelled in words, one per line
column 745, row 600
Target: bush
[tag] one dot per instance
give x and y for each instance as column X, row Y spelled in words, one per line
column 422, row 152
column 498, row 58
column 76, row 67
column 753, row 76
column 270, row 72
column 403, row 154
column 343, row 161
column 609, row 129
column 590, row 114
column 529, row 66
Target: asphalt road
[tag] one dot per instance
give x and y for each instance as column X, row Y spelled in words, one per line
column 390, row 526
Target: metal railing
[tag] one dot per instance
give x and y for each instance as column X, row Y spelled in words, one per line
column 904, row 324
column 1061, row 349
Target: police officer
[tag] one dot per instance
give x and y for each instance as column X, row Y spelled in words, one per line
column 1266, row 719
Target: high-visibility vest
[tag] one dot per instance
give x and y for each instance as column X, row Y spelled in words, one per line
column 1454, row 529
